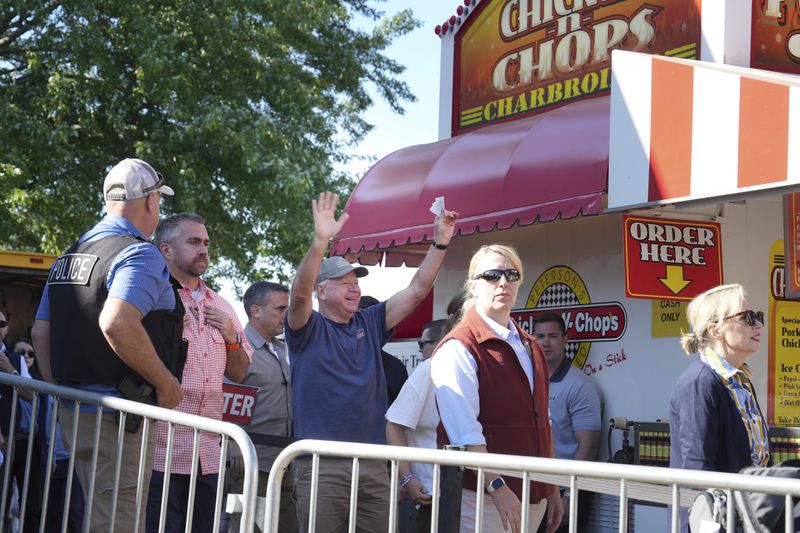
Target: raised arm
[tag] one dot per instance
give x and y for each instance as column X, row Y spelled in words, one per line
column 325, row 227
column 403, row 302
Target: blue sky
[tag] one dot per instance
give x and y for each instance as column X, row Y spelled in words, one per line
column 419, row 51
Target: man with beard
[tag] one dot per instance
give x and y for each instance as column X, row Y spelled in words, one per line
column 216, row 347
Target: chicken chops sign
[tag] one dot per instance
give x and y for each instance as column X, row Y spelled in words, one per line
column 515, row 58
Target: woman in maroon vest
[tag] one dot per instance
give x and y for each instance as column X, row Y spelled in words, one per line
column 492, row 391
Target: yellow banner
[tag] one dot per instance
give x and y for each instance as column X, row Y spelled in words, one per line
column 669, row 318
column 784, row 347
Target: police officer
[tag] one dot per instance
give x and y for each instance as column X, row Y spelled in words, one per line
column 108, row 323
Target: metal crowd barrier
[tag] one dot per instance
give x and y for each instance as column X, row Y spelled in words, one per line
column 673, row 487
column 126, row 408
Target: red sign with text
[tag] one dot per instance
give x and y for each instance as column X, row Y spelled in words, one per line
column 791, row 240
column 775, row 36
column 515, row 59
column 238, row 404
column 671, row 259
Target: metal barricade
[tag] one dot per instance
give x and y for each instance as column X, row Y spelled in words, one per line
column 50, row 397
column 672, row 487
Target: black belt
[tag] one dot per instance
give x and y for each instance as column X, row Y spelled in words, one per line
column 274, row 441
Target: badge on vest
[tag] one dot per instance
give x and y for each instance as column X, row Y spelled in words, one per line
column 72, row 269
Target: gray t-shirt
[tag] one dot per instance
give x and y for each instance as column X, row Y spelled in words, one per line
column 272, row 415
column 575, row 404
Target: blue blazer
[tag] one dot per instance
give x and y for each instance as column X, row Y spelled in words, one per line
column 706, row 430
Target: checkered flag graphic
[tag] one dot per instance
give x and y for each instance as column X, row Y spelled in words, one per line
column 560, row 295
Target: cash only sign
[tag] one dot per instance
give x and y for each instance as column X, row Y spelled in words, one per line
column 515, row 58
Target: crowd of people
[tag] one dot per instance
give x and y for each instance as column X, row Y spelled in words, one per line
column 127, row 317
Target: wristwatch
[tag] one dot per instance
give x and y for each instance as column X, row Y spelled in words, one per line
column 236, row 345
column 495, row 484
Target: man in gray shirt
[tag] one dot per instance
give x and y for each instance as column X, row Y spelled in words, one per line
column 575, row 405
column 265, row 304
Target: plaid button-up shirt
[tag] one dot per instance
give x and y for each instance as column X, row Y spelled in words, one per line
column 201, row 384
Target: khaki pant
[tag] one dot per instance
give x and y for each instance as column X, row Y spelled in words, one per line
column 101, row 499
column 333, row 495
column 492, row 523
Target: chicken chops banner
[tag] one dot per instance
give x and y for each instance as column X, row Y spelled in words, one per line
column 516, row 58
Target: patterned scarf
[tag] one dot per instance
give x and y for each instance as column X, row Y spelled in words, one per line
column 737, row 381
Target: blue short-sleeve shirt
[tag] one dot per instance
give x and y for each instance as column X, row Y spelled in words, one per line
column 138, row 275
column 338, row 384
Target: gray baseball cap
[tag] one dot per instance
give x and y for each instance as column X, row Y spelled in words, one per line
column 336, row 267
column 131, row 179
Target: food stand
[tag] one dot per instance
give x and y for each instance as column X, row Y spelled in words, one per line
column 629, row 176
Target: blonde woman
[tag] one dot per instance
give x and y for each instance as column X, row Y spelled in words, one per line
column 715, row 420
column 492, row 391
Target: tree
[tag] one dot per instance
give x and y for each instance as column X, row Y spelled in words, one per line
column 244, row 106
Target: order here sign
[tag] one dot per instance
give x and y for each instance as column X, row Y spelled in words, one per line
column 671, row 259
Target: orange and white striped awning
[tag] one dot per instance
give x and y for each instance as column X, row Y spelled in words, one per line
column 688, row 130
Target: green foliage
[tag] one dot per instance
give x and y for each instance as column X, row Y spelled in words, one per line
column 244, row 106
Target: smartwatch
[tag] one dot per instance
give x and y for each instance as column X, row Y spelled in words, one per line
column 495, row 484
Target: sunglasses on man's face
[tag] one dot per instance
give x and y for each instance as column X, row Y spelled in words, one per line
column 3, row 323
column 422, row 343
column 751, row 318
column 494, row 275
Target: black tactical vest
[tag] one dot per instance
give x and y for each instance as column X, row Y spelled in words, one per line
column 77, row 291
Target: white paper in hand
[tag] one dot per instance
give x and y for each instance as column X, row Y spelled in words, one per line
column 437, row 207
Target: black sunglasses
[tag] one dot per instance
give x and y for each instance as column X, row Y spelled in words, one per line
column 422, row 343
column 751, row 318
column 494, row 275
column 29, row 353
column 3, row 323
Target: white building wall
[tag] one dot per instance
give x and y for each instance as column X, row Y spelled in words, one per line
column 639, row 387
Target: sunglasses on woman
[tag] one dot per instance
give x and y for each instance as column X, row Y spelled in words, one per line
column 27, row 353
column 494, row 275
column 751, row 318
column 3, row 323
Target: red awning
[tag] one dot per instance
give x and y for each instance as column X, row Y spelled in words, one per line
column 535, row 169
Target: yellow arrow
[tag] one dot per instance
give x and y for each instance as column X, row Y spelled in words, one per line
column 674, row 280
